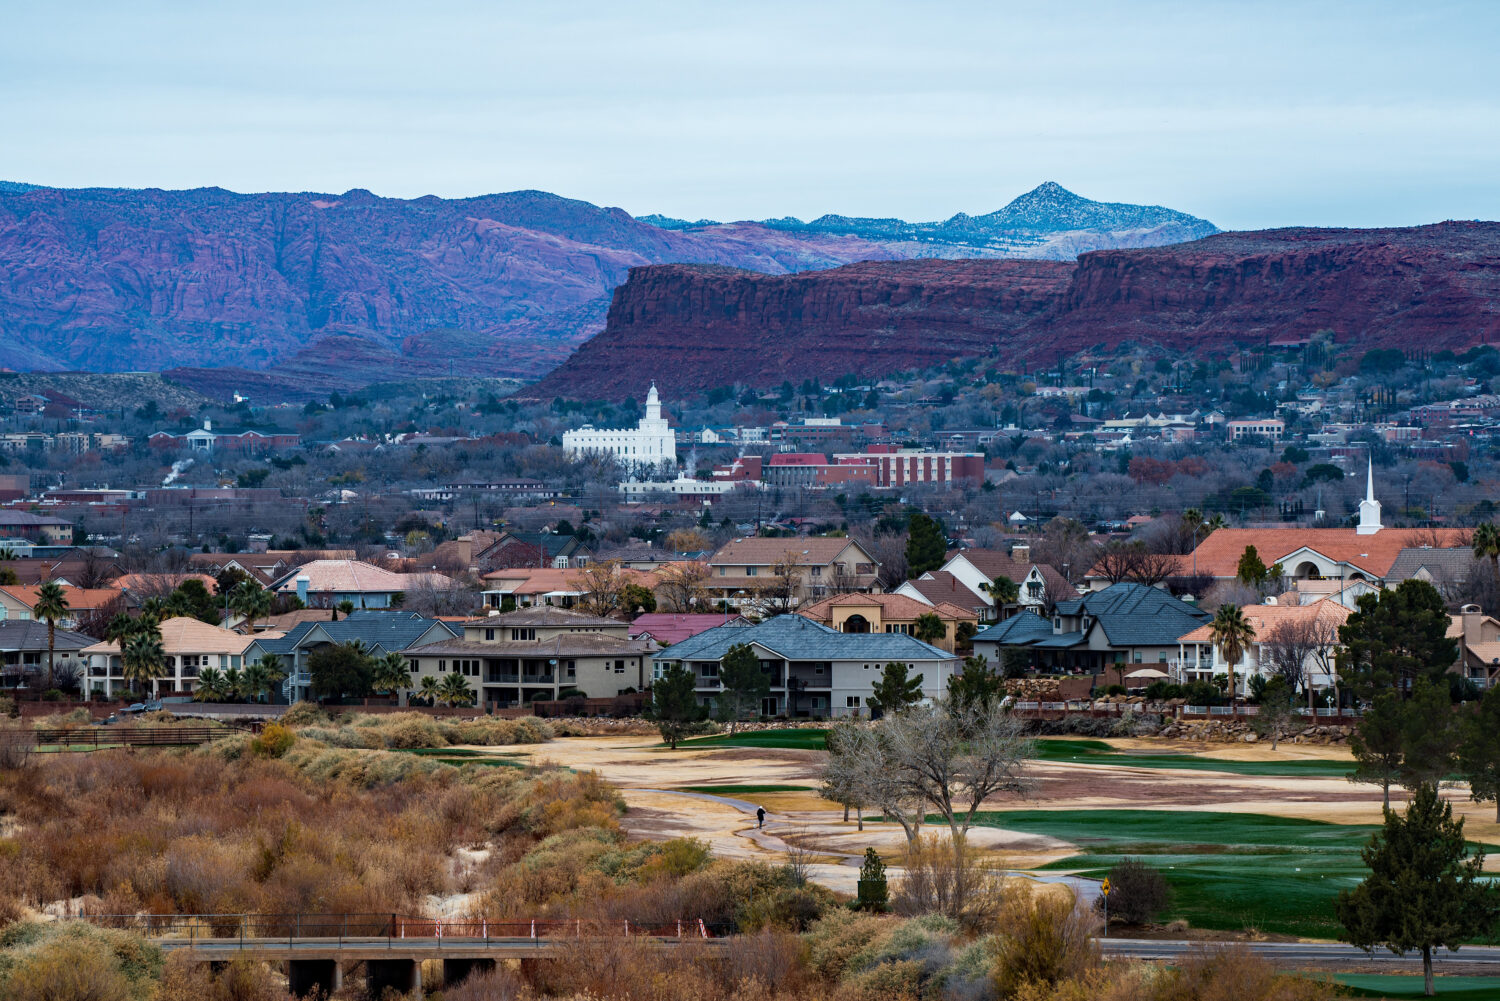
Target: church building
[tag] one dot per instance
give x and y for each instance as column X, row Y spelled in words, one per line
column 648, row 445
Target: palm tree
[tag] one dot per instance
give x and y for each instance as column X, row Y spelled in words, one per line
column 271, row 665
column 142, row 658
column 1003, row 590
column 455, row 691
column 234, row 682
column 929, row 627
column 430, row 690
column 155, row 608
column 250, row 600
column 254, row 680
column 1486, row 543
column 119, row 628
column 391, row 674
column 1232, row 634
column 51, row 604
column 211, row 685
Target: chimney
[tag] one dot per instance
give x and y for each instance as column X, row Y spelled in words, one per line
column 302, row 584
column 1021, row 552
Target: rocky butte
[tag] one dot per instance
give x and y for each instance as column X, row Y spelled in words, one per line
column 285, row 284
column 695, row 328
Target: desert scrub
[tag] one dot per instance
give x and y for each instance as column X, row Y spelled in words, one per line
column 412, row 731
column 303, row 714
column 272, row 742
column 71, row 959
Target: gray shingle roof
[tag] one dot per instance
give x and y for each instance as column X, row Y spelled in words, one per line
column 29, row 634
column 388, row 630
column 1444, row 565
column 1023, row 628
column 798, row 638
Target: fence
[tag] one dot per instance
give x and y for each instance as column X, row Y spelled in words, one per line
column 114, row 736
column 338, row 927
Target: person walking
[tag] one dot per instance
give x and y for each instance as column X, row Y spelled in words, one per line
column 760, row 817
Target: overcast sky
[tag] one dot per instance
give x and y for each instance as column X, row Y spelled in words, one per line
column 1249, row 114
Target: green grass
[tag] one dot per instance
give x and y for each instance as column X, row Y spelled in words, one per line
column 1097, row 752
column 1228, row 870
column 1382, row 985
column 734, row 791
column 807, row 740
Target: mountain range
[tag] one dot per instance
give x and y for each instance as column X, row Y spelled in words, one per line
column 299, row 293
column 692, row 328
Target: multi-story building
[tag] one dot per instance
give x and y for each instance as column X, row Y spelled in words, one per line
column 1270, row 428
column 379, row 632
column 813, row 670
column 743, row 569
column 532, row 654
column 189, row 646
column 649, row 444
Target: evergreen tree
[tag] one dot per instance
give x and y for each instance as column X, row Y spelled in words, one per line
column 926, row 544
column 976, row 685
column 1252, row 569
column 1395, row 637
column 340, row 669
column 895, row 690
column 675, row 706
column 1424, row 889
column 742, row 684
column 1479, row 751
column 1429, row 735
column 1377, row 744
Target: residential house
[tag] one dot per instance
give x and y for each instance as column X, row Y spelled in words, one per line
column 189, row 644
column 23, row 652
column 666, row 628
column 18, row 601
column 379, row 632
column 532, row 654
column 1478, row 637
column 1199, row 659
column 820, row 566
column 1038, row 583
column 36, row 527
column 328, row 583
column 264, row 567
column 813, row 670
column 889, row 613
column 534, row 550
column 1124, row 624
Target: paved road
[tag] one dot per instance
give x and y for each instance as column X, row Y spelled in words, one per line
column 1290, row 954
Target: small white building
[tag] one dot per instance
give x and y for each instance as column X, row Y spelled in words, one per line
column 649, row 444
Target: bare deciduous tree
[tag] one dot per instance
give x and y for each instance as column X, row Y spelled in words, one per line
column 680, row 587
column 1135, row 563
column 603, row 587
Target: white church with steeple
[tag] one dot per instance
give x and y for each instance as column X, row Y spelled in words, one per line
column 650, row 444
column 1369, row 508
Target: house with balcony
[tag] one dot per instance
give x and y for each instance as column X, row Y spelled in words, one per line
column 536, row 654
column 889, row 613
column 189, row 646
column 1101, row 633
column 23, row 653
column 328, row 583
column 813, row 669
column 18, row 602
column 1199, row 659
column 379, row 631
column 820, row 566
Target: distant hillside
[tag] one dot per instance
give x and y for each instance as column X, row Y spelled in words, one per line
column 694, row 328
column 318, row 291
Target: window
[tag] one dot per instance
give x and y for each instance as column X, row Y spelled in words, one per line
column 523, row 634
column 750, row 571
column 851, row 702
column 489, row 634
column 414, row 666
column 619, row 667
column 442, row 665
column 710, row 670
column 723, row 571
column 817, row 571
column 818, row 669
column 570, row 669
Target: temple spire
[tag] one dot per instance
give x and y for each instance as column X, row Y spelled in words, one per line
column 1369, row 508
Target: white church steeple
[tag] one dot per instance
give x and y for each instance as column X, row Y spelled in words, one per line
column 1369, row 508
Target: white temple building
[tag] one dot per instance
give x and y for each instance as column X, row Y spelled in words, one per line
column 649, row 444
column 1369, row 508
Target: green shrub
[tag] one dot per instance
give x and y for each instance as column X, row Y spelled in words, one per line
column 75, row 961
column 303, row 714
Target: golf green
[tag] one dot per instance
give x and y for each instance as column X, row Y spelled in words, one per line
column 1097, row 752
column 1381, row 985
column 809, row 739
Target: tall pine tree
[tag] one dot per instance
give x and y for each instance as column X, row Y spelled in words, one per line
column 926, row 544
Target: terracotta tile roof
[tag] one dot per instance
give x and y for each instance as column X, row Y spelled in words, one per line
column 896, row 607
column 811, row 551
column 1266, row 617
column 355, row 576
column 79, row 598
column 542, row 615
column 161, row 583
column 1219, row 554
column 188, row 635
column 669, row 627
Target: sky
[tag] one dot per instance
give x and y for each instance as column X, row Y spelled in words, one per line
column 1248, row 114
